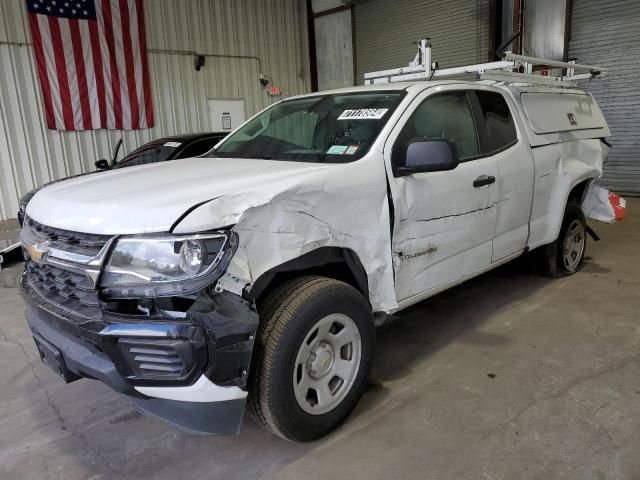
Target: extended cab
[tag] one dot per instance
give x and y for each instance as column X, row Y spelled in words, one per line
column 257, row 274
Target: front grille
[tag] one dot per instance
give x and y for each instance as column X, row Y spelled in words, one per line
column 67, row 291
column 62, row 284
column 71, row 292
column 82, row 243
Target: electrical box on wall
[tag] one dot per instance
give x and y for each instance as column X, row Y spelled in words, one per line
column 226, row 114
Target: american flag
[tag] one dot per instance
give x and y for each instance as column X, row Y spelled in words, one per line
column 92, row 63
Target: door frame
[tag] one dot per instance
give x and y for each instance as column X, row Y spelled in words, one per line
column 394, row 194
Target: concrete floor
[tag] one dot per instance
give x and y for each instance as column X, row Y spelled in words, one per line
column 510, row 376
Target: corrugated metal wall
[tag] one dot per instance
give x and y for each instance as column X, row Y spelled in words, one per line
column 273, row 30
column 607, row 33
column 385, row 31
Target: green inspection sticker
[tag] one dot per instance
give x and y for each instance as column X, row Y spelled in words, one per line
column 337, row 149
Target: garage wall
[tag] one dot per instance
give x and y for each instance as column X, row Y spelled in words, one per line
column 274, row 31
column 334, row 50
column 607, row 33
column 385, row 31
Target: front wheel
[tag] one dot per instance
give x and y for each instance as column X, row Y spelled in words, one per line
column 313, row 358
column 566, row 255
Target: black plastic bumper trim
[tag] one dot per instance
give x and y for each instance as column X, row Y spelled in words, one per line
column 215, row 418
column 85, row 360
column 80, row 357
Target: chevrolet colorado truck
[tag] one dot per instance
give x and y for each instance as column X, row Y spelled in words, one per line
column 253, row 278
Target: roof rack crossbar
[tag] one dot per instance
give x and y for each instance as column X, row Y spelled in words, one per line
column 512, row 69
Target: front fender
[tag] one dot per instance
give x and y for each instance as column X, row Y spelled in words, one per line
column 343, row 207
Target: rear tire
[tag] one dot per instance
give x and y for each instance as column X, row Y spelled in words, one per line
column 565, row 256
column 313, row 357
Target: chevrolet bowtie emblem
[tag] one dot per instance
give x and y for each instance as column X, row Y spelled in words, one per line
column 38, row 251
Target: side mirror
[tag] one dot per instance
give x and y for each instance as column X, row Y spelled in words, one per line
column 102, row 164
column 429, row 156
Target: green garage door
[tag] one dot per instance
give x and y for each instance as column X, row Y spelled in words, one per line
column 607, row 33
column 385, row 31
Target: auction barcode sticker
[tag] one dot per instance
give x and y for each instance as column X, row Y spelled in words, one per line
column 363, row 114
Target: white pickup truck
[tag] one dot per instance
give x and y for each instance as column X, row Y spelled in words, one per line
column 257, row 273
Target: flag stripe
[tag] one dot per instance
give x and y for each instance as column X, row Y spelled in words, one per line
column 148, row 106
column 61, row 70
column 121, row 64
column 91, row 74
column 78, row 58
column 113, row 65
column 129, row 65
column 72, row 77
column 51, row 73
column 98, row 68
column 42, row 69
column 137, row 63
column 106, row 68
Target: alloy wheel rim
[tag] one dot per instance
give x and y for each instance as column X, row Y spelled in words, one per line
column 573, row 245
column 327, row 364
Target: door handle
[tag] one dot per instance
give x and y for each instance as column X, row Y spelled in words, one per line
column 483, row 180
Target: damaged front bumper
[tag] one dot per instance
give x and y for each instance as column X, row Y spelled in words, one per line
column 190, row 372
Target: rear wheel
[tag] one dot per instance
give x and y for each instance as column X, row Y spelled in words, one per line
column 566, row 255
column 313, row 358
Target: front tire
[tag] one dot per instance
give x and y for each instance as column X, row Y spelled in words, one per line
column 313, row 357
column 565, row 256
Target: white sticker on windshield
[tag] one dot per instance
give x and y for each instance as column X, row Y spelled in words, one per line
column 363, row 114
column 336, row 149
column 352, row 149
column 172, row 144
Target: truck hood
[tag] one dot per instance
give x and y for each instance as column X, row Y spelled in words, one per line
column 151, row 198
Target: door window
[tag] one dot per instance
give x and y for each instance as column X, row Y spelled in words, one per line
column 443, row 116
column 498, row 122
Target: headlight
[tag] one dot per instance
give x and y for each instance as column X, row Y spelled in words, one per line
column 163, row 265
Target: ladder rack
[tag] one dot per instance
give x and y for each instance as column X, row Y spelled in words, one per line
column 512, row 69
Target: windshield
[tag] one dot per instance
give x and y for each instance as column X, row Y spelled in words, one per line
column 335, row 128
column 150, row 153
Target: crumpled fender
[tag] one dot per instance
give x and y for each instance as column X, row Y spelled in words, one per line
column 559, row 168
column 343, row 206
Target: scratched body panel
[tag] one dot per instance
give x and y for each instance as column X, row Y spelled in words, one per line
column 559, row 167
column 340, row 205
column 445, row 226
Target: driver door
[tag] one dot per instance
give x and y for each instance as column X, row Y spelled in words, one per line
column 444, row 220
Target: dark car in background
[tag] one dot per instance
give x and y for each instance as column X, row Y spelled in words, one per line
column 160, row 150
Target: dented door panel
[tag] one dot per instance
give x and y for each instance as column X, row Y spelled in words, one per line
column 445, row 226
column 515, row 191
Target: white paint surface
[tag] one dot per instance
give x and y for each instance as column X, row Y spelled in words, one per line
column 203, row 390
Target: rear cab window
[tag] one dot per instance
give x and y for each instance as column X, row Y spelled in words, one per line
column 498, row 130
